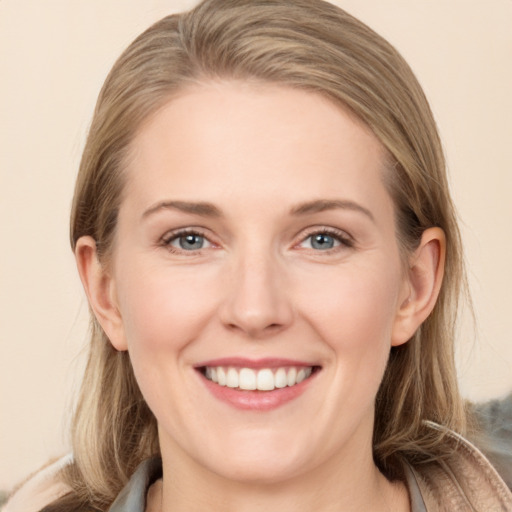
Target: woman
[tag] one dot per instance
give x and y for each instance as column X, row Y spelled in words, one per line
column 264, row 231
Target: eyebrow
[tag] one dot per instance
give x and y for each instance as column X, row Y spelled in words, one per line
column 196, row 208
column 322, row 205
column 205, row 209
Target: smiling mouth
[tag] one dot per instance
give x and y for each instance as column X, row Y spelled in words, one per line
column 263, row 379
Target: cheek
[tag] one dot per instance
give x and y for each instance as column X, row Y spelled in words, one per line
column 354, row 309
column 163, row 311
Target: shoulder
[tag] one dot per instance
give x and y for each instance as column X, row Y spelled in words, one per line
column 495, row 437
column 465, row 477
column 40, row 489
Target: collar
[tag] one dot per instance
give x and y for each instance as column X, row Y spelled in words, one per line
column 133, row 496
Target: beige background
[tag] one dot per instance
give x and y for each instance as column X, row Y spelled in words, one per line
column 54, row 55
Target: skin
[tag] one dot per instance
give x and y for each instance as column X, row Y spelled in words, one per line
column 259, row 288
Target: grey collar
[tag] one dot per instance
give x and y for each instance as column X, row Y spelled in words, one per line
column 133, row 496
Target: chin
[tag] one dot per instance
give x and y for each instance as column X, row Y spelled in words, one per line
column 262, row 471
column 258, row 461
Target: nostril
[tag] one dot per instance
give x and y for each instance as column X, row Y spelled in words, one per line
column 255, row 330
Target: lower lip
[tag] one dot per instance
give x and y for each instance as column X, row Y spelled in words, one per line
column 257, row 400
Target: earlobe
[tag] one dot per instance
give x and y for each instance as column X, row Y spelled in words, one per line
column 421, row 286
column 99, row 287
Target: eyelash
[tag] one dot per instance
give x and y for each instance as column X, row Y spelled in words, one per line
column 168, row 238
column 345, row 241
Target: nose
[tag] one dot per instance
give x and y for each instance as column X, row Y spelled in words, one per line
column 257, row 302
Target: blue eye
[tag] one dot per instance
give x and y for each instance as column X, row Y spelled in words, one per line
column 191, row 242
column 188, row 242
column 323, row 241
column 326, row 240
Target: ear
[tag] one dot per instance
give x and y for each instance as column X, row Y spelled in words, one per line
column 100, row 290
column 422, row 284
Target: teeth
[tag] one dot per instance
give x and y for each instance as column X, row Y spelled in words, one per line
column 221, row 376
column 280, row 379
column 247, row 379
column 291, row 378
column 301, row 375
column 232, row 378
column 265, row 379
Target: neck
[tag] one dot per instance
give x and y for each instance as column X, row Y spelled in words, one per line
column 353, row 486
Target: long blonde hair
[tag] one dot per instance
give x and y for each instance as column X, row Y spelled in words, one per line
column 314, row 46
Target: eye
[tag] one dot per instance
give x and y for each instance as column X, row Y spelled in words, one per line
column 186, row 241
column 325, row 240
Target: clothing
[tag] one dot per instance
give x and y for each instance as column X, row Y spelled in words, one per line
column 133, row 497
column 465, row 482
column 495, row 438
column 39, row 489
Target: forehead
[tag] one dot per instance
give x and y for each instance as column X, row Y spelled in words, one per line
column 241, row 140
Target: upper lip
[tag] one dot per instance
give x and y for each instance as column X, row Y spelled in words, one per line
column 242, row 362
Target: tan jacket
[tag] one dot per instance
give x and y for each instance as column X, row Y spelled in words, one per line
column 466, row 482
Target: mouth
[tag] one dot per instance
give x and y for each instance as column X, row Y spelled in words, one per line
column 262, row 379
column 256, row 385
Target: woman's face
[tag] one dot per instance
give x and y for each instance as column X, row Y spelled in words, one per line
column 256, row 246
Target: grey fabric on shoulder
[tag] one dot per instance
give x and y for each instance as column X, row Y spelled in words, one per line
column 133, row 497
column 495, row 439
column 416, row 499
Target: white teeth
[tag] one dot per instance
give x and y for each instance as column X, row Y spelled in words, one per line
column 280, row 378
column 265, row 379
column 247, row 379
column 232, row 378
column 292, row 376
column 221, row 376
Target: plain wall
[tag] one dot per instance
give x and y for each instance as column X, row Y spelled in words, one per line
column 54, row 55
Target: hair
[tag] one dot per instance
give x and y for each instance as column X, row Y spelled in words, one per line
column 309, row 45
